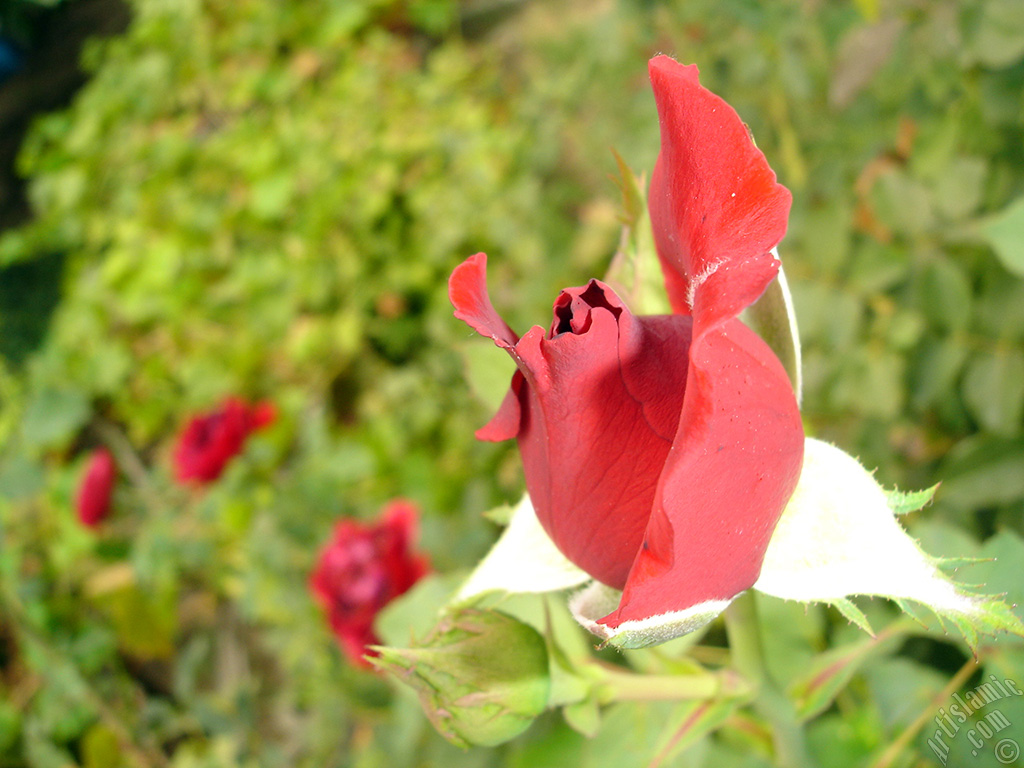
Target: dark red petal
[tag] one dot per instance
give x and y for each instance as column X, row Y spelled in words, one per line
column 716, row 208
column 735, row 462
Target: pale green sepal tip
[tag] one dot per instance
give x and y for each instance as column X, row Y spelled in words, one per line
column 635, row 272
column 523, row 560
column 904, row 502
column 853, row 614
column 774, row 318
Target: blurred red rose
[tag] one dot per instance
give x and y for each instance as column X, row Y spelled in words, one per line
column 97, row 485
column 209, row 442
column 363, row 568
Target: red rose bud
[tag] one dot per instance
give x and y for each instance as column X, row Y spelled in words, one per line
column 92, row 503
column 362, row 569
column 210, row 441
column 660, row 451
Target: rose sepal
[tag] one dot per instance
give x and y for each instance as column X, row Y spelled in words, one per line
column 838, row 537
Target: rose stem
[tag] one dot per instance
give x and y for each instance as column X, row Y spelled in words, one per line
column 741, row 623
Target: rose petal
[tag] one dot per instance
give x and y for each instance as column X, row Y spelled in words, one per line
column 716, row 212
column 467, row 289
column 595, row 441
column 716, row 208
column 361, row 569
column 734, row 464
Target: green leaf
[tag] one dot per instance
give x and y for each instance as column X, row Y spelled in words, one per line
column 994, row 390
column 983, row 471
column 583, row 716
column 693, row 721
column 945, row 295
column 853, row 614
column 100, row 748
column 52, row 416
column 998, row 40
column 145, row 623
column 796, row 637
column 10, row 726
column 817, row 687
column 1005, row 233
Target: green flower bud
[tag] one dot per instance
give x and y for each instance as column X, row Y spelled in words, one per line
column 482, row 677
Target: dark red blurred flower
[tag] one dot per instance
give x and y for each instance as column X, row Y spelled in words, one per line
column 660, row 451
column 96, row 488
column 210, row 441
column 363, row 568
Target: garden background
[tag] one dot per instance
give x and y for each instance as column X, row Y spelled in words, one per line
column 265, row 199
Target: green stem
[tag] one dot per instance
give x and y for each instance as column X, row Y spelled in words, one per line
column 741, row 622
column 625, row 686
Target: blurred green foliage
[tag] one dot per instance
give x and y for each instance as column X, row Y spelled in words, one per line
column 266, row 199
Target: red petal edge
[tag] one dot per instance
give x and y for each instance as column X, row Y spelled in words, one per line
column 467, row 289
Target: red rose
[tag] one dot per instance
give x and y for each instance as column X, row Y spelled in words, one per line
column 97, row 486
column 209, row 442
column 660, row 451
column 362, row 569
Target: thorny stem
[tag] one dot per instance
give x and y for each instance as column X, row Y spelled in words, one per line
column 770, row 702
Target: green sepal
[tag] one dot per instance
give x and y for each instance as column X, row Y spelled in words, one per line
column 904, row 502
column 635, row 272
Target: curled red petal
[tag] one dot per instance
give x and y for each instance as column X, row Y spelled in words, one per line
column 467, row 289
column 735, row 462
column 716, row 208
